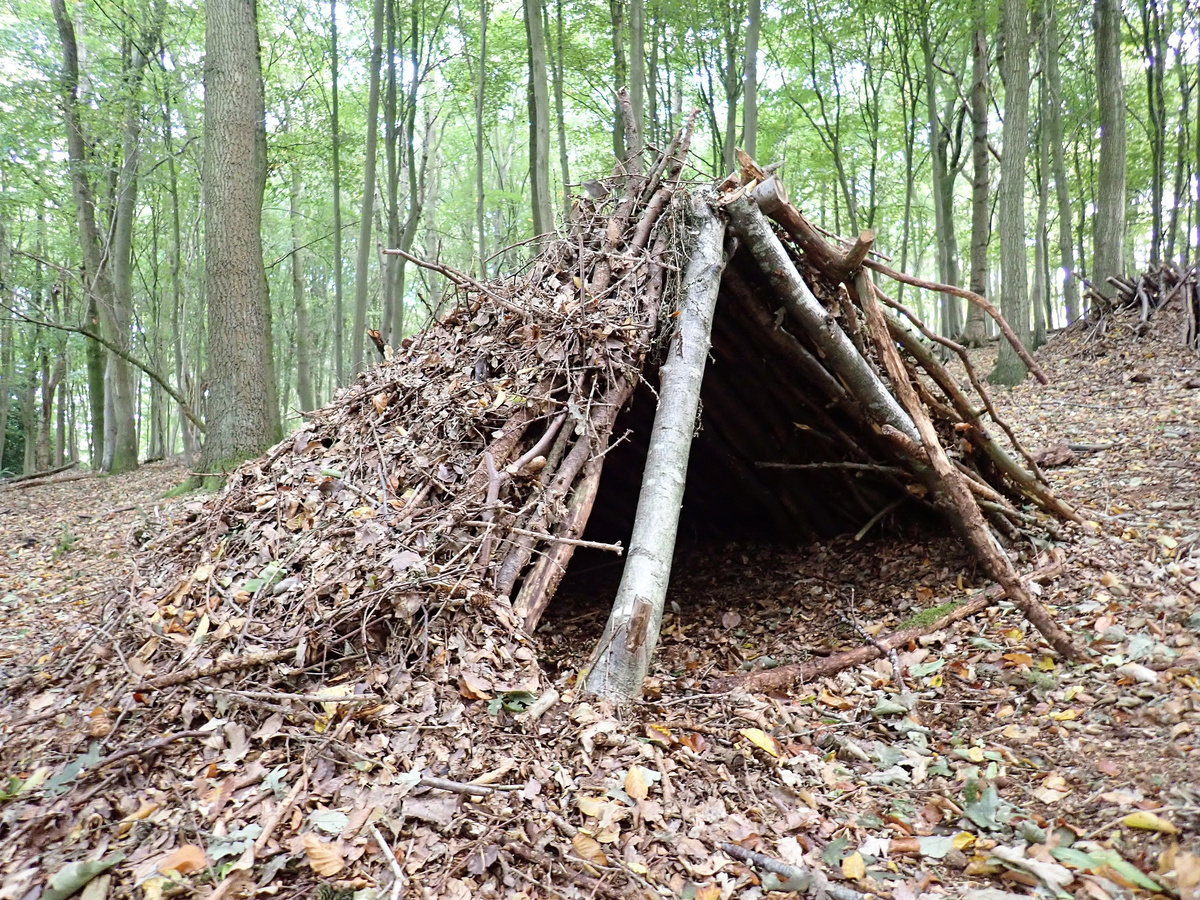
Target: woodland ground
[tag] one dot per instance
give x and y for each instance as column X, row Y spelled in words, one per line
column 997, row 768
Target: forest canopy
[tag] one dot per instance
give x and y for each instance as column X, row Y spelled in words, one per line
column 1029, row 151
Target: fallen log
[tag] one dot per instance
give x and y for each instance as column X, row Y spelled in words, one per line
column 785, row 677
column 18, row 479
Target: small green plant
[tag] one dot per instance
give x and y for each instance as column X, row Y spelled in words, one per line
column 66, row 542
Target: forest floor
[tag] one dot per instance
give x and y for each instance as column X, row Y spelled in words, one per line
column 988, row 770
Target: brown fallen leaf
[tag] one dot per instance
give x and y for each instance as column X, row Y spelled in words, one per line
column 325, row 858
column 184, row 860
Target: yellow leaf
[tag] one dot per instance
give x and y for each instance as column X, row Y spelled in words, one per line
column 325, row 858
column 853, row 866
column 591, row 806
column 1047, row 664
column 152, row 888
column 963, row 840
column 709, row 891
column 934, row 681
column 1065, row 716
column 762, row 741
column 1148, row 821
column 635, row 783
column 975, row 754
column 588, row 848
column 187, row 859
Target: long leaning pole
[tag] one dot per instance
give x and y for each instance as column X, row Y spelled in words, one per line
column 622, row 657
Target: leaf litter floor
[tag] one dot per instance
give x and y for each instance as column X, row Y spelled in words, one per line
column 997, row 771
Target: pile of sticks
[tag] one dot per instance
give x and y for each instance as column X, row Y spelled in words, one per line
column 1154, row 289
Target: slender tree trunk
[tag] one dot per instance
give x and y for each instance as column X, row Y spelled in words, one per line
column 1155, row 63
column 480, row 196
column 339, row 312
column 1040, row 295
column 559, row 118
column 539, row 121
column 186, row 429
column 1054, row 138
column 304, row 388
column 1109, row 249
column 1014, row 270
column 362, row 267
column 974, row 333
column 637, row 70
column 243, row 411
column 7, row 354
column 1179, row 190
column 750, row 98
column 943, row 192
column 391, row 140
column 616, row 10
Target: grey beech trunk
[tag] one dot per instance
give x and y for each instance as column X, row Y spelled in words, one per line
column 637, row 70
column 1109, row 236
column 539, row 121
column 1053, row 135
column 339, row 312
column 750, row 96
column 622, row 658
column 1039, row 297
column 391, row 264
column 304, row 385
column 480, row 87
column 1014, row 302
column 974, row 333
column 616, row 10
column 362, row 266
column 107, row 254
column 243, row 413
column 559, row 118
column 943, row 191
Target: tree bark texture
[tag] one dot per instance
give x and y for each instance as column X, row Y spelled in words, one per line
column 339, row 312
column 974, row 333
column 242, row 408
column 750, row 97
column 1014, row 274
column 1109, row 237
column 622, row 658
column 1054, row 138
column 362, row 266
column 539, row 121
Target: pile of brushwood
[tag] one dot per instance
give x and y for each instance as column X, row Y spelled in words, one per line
column 1152, row 290
column 345, row 627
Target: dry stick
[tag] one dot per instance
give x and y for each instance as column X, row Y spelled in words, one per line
column 774, row 203
column 961, row 352
column 26, row 485
column 217, row 668
column 800, row 673
column 558, row 539
column 808, row 880
column 982, row 302
column 489, row 514
column 462, row 280
column 950, row 487
column 540, row 447
column 139, row 749
column 31, row 476
column 1025, row 482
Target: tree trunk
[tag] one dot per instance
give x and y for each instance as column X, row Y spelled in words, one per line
column 188, row 435
column 974, row 333
column 539, row 121
column 943, row 193
column 559, row 117
column 304, row 388
column 243, row 415
column 391, row 138
column 362, row 267
column 750, row 98
column 616, row 9
column 1014, row 301
column 339, row 312
column 637, row 71
column 1054, row 138
column 1154, row 55
column 1109, row 247
column 479, row 137
column 1040, row 295
column 95, row 378
column 622, row 658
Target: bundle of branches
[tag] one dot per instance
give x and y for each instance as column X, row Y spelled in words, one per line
column 1152, row 290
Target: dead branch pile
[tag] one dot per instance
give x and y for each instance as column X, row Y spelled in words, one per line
column 1154, row 289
